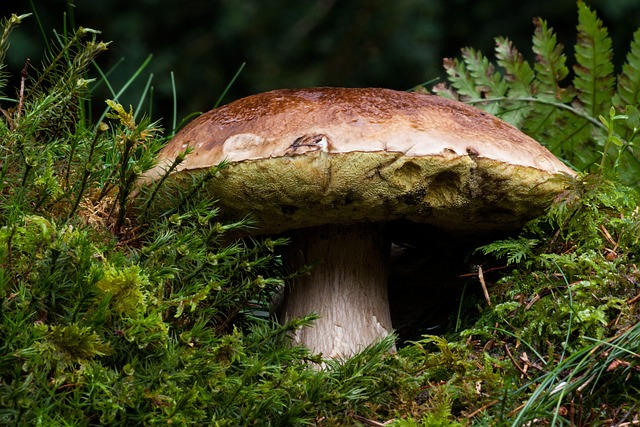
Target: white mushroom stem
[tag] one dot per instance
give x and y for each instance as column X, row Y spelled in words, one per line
column 346, row 287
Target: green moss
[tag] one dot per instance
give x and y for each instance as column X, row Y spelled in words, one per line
column 125, row 287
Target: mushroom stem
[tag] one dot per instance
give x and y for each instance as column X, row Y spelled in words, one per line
column 347, row 287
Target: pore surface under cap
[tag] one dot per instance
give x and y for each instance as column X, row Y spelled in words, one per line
column 300, row 158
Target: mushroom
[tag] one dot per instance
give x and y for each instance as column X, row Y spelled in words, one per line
column 339, row 169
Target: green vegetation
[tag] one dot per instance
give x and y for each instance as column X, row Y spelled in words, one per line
column 105, row 320
column 563, row 110
column 108, row 317
column 563, row 327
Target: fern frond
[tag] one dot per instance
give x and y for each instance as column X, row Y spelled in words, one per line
column 550, row 65
column 540, row 98
column 520, row 79
column 628, row 89
column 474, row 79
column 459, row 79
column 515, row 250
column 594, row 78
column 488, row 81
column 518, row 72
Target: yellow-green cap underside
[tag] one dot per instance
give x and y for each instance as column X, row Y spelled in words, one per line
column 310, row 157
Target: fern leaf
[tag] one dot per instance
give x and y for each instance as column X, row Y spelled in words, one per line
column 515, row 250
column 594, row 77
column 563, row 134
column 518, row 73
column 550, row 65
column 540, row 99
column 628, row 92
column 520, row 79
column 446, row 91
column 627, row 99
column 488, row 82
column 460, row 79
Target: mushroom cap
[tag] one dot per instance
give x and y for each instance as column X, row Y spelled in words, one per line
column 309, row 157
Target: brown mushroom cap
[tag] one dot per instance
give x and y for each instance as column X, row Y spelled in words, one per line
column 309, row 157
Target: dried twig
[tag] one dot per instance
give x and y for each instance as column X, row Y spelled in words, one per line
column 514, row 361
column 629, row 423
column 634, row 300
column 484, row 271
column 484, row 286
column 482, row 408
column 544, row 292
column 369, row 422
column 608, row 237
column 525, row 359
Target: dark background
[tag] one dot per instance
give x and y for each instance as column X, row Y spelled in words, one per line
column 294, row 43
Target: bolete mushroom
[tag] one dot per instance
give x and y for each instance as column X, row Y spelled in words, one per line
column 336, row 167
